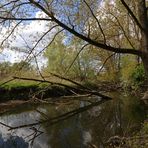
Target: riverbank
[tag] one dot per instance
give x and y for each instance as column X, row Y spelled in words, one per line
column 26, row 92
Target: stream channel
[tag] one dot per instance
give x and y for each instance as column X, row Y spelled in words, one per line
column 121, row 116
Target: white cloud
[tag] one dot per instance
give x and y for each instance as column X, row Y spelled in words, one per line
column 11, row 56
column 30, row 32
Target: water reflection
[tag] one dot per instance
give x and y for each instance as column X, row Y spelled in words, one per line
column 121, row 116
column 21, row 134
column 13, row 142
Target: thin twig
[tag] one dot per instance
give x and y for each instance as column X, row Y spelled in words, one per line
column 76, row 57
column 105, row 62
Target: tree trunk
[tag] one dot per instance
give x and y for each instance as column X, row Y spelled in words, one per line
column 144, row 33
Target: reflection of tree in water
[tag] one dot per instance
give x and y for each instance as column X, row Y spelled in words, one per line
column 13, row 142
column 66, row 134
column 116, row 117
column 121, row 116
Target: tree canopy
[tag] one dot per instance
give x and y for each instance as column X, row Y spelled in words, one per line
column 118, row 26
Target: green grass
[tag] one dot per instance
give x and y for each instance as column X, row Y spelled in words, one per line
column 18, row 83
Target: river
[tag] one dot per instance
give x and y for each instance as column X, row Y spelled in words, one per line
column 121, row 116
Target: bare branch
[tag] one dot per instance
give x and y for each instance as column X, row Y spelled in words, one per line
column 96, row 20
column 76, row 57
column 38, row 69
column 6, row 4
column 50, row 14
column 74, row 82
column 7, row 82
column 90, row 41
column 105, row 62
column 40, row 40
column 34, row 56
column 50, row 42
column 5, row 125
column 25, row 19
column 132, row 15
column 12, row 31
column 84, row 90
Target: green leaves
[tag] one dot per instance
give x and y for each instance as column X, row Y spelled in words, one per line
column 138, row 75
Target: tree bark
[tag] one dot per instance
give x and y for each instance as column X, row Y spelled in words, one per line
column 144, row 33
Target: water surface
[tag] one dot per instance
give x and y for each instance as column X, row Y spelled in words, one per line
column 121, row 116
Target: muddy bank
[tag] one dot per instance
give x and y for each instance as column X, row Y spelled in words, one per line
column 26, row 93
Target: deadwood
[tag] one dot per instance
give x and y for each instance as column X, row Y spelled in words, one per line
column 82, row 88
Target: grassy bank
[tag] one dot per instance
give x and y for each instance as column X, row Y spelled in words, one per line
column 24, row 90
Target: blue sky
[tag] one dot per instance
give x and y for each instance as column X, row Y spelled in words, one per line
column 32, row 30
column 29, row 32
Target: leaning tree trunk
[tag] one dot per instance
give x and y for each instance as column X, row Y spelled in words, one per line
column 143, row 18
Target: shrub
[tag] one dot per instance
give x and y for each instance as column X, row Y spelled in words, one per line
column 138, row 76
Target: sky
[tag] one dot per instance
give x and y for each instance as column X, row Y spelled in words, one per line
column 28, row 32
column 25, row 33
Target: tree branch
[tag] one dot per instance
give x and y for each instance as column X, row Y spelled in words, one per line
column 95, row 43
column 124, row 32
column 84, row 90
column 25, row 19
column 76, row 57
column 105, row 63
column 132, row 15
column 90, row 41
column 74, row 32
column 40, row 40
column 100, row 27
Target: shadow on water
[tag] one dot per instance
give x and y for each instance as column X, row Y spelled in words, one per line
column 121, row 116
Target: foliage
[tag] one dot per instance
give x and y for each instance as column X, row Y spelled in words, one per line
column 139, row 139
column 7, row 69
column 132, row 73
column 128, row 65
column 66, row 59
column 138, row 75
column 22, row 65
column 109, row 25
column 144, row 129
column 19, row 84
